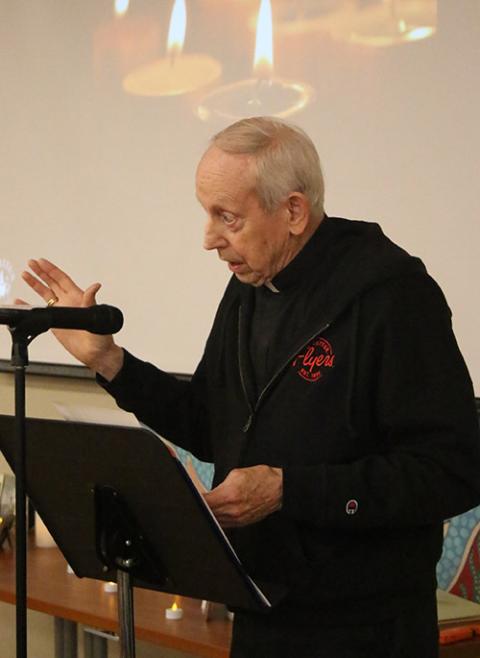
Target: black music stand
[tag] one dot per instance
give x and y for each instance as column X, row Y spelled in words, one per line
column 121, row 507
column 25, row 327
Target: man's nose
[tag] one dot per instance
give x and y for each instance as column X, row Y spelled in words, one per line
column 213, row 238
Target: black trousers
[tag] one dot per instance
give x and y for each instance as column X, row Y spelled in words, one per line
column 412, row 633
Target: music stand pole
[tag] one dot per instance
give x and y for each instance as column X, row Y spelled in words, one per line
column 19, row 362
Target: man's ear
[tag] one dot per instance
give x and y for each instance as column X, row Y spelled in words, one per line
column 298, row 208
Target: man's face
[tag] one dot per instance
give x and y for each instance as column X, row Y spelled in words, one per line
column 255, row 244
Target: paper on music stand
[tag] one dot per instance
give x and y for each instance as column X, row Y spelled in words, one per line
column 97, row 415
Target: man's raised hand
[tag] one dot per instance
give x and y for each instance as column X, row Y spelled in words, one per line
column 100, row 353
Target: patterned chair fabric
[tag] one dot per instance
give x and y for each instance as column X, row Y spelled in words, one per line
column 458, row 570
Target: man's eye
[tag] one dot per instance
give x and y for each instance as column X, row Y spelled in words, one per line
column 228, row 219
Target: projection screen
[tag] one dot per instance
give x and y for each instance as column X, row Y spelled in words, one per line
column 107, row 106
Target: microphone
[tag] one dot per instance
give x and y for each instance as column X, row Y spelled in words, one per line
column 102, row 319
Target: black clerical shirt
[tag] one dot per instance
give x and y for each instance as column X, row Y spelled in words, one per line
column 274, row 318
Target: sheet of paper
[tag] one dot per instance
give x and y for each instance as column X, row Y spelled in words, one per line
column 455, row 608
column 209, row 512
column 98, row 415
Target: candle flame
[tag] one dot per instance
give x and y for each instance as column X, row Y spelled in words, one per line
column 121, row 7
column 174, row 606
column 178, row 25
column 263, row 61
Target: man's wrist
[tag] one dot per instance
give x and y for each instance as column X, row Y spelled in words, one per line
column 110, row 363
column 278, row 479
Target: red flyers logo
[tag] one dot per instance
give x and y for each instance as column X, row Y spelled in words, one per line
column 316, row 356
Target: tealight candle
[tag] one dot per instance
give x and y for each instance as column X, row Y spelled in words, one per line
column 264, row 94
column 177, row 73
column 172, row 76
column 174, row 612
column 110, row 587
column 124, row 43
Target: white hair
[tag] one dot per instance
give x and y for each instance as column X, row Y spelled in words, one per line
column 285, row 159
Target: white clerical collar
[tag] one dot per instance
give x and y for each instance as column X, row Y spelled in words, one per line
column 270, row 286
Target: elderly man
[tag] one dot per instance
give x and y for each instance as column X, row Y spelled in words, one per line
column 331, row 397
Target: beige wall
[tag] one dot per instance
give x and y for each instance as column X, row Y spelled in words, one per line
column 42, row 393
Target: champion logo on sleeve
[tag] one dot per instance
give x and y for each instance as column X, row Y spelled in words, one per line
column 351, row 507
column 314, row 359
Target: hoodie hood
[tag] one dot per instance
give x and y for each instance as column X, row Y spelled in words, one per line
column 344, row 259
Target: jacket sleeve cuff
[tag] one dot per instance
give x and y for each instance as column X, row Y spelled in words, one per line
column 132, row 385
column 122, row 376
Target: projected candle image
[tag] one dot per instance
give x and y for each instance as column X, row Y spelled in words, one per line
column 101, row 181
column 178, row 72
column 392, row 22
column 124, row 42
column 263, row 94
column 377, row 23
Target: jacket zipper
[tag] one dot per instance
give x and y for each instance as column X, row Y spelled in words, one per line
column 246, row 427
column 277, row 373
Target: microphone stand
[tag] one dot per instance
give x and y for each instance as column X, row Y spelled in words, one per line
column 22, row 336
column 24, row 328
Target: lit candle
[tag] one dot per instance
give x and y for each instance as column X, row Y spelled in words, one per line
column 263, row 94
column 124, row 43
column 175, row 612
column 110, row 587
column 177, row 73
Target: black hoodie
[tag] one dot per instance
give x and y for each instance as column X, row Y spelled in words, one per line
column 368, row 409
